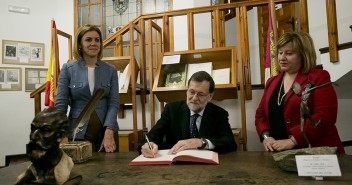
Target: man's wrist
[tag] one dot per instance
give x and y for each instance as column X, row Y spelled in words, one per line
column 204, row 144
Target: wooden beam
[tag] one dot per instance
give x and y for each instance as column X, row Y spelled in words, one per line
column 332, row 30
column 241, row 76
column 166, row 33
column 303, row 14
column 190, row 25
column 142, row 65
column 217, row 28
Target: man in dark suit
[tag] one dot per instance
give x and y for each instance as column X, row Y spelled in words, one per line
column 212, row 131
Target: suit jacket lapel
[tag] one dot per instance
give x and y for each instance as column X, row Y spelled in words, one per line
column 206, row 122
column 185, row 120
column 301, row 79
column 272, row 86
column 97, row 80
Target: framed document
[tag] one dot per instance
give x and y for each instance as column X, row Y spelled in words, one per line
column 177, row 76
column 34, row 78
column 10, row 79
column 195, row 67
column 23, row 53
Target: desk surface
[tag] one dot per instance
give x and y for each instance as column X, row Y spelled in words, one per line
column 234, row 168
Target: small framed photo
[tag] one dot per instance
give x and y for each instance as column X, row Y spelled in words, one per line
column 175, row 75
column 34, row 78
column 10, row 79
column 22, row 53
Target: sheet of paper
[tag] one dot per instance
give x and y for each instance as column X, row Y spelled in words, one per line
column 122, row 77
column 317, row 165
column 221, row 76
column 161, row 156
column 173, row 59
column 195, row 67
column 205, row 154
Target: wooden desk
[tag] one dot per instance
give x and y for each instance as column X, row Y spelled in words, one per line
column 234, row 168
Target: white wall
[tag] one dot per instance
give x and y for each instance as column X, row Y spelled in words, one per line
column 17, row 109
column 202, row 26
column 318, row 30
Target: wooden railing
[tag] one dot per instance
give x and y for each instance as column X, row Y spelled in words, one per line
column 131, row 85
column 219, row 13
column 165, row 42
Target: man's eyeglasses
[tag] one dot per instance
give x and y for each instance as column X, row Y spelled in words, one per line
column 199, row 94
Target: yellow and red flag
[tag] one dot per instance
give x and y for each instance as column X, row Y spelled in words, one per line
column 271, row 68
column 53, row 69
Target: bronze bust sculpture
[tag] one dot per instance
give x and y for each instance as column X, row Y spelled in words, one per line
column 50, row 165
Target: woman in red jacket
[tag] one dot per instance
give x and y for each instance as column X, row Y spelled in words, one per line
column 278, row 118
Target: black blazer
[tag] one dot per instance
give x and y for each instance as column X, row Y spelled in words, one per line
column 174, row 125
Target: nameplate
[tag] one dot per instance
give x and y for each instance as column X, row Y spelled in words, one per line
column 173, row 59
column 318, row 165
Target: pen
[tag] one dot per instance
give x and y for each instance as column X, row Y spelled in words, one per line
column 150, row 146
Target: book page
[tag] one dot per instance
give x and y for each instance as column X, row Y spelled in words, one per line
column 201, row 156
column 205, row 154
column 198, row 156
column 161, row 156
column 122, row 77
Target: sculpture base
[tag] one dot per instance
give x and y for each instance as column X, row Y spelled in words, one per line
column 286, row 160
column 79, row 151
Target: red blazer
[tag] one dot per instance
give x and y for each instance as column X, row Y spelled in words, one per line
column 322, row 105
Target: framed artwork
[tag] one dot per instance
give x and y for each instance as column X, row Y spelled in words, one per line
column 10, row 79
column 175, row 75
column 34, row 78
column 23, row 53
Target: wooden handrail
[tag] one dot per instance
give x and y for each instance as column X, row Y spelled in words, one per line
column 332, row 30
column 138, row 25
column 243, row 46
column 36, row 94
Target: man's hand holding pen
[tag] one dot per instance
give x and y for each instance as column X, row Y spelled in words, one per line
column 149, row 149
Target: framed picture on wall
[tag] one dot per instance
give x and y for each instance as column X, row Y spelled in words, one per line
column 22, row 53
column 34, row 78
column 10, row 79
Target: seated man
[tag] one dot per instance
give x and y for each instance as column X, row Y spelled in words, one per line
column 194, row 123
column 50, row 165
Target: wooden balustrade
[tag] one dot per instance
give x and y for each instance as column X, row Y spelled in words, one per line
column 164, row 38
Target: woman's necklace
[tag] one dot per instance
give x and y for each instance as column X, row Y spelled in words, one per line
column 279, row 101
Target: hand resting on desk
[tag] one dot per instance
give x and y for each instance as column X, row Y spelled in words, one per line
column 193, row 143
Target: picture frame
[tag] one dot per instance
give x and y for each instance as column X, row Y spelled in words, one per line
column 34, row 78
column 176, row 75
column 22, row 53
column 10, row 79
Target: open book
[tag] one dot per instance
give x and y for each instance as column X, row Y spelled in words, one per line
column 195, row 156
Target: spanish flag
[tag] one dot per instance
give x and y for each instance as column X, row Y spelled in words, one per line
column 53, row 70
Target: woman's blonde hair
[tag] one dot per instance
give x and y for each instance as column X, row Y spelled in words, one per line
column 302, row 43
column 77, row 53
